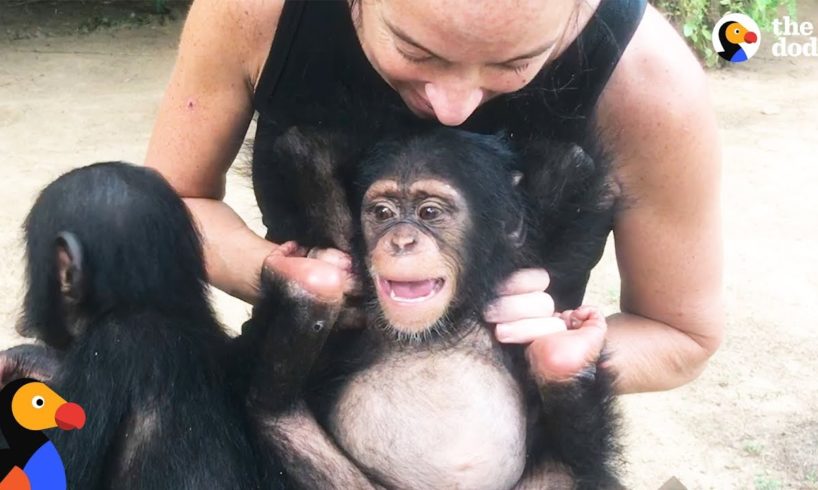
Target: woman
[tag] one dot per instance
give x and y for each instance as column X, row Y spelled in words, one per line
column 613, row 69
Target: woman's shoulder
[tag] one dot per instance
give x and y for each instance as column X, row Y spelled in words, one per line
column 240, row 28
column 658, row 89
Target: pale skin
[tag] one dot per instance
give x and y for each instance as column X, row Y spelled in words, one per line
column 654, row 116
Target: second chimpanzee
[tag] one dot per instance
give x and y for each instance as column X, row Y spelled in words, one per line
column 431, row 399
column 117, row 287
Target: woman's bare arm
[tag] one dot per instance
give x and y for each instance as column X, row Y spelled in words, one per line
column 668, row 232
column 199, row 129
column 656, row 119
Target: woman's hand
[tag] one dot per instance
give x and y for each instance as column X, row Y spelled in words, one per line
column 560, row 345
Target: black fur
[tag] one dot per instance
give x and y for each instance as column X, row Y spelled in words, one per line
column 286, row 337
column 143, row 353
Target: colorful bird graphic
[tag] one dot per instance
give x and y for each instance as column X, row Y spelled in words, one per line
column 31, row 461
column 731, row 35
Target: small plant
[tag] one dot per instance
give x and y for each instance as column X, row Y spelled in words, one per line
column 695, row 19
column 753, row 448
column 811, row 477
column 766, row 482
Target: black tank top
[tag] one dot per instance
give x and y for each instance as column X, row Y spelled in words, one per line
column 316, row 61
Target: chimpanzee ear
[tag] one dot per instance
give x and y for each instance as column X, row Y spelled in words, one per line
column 69, row 267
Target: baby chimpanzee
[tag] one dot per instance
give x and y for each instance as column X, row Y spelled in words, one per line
column 117, row 289
column 425, row 397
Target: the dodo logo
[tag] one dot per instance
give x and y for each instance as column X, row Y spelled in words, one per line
column 31, row 462
column 736, row 37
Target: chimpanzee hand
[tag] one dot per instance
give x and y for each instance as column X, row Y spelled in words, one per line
column 288, row 329
column 560, row 346
column 28, row 361
column 323, row 273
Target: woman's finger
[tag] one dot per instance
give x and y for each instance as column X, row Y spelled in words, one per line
column 525, row 281
column 506, row 309
column 526, row 331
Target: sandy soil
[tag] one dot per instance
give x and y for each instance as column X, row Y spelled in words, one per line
column 68, row 99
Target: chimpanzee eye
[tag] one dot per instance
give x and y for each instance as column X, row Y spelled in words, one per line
column 37, row 402
column 383, row 213
column 429, row 212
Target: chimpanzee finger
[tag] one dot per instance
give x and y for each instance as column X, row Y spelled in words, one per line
column 566, row 316
column 331, row 256
column 352, row 285
column 586, row 316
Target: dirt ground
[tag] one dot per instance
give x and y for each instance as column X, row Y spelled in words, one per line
column 69, row 97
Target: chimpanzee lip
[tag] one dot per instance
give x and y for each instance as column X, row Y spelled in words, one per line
column 386, row 287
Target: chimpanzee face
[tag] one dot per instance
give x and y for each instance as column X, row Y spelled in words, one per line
column 414, row 232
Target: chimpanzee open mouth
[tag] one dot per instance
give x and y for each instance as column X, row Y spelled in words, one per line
column 410, row 291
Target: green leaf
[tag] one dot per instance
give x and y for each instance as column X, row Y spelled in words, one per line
column 689, row 29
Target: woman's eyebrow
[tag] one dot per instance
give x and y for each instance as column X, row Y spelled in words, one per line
column 397, row 32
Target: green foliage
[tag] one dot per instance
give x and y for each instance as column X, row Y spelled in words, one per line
column 161, row 7
column 765, row 482
column 753, row 448
column 695, row 18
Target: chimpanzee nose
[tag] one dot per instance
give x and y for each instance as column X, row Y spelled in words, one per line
column 403, row 240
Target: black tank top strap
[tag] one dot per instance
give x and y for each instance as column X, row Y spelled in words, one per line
column 288, row 23
column 580, row 74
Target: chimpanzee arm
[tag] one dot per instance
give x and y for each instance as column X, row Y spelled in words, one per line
column 281, row 342
column 309, row 456
column 28, row 361
column 287, row 332
column 576, row 427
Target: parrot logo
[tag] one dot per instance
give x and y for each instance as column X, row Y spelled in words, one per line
column 31, row 462
column 736, row 38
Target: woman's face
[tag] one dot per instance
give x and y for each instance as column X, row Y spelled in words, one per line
column 445, row 58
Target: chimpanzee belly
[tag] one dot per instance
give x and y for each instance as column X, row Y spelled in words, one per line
column 450, row 418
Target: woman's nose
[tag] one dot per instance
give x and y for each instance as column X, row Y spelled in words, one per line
column 453, row 103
